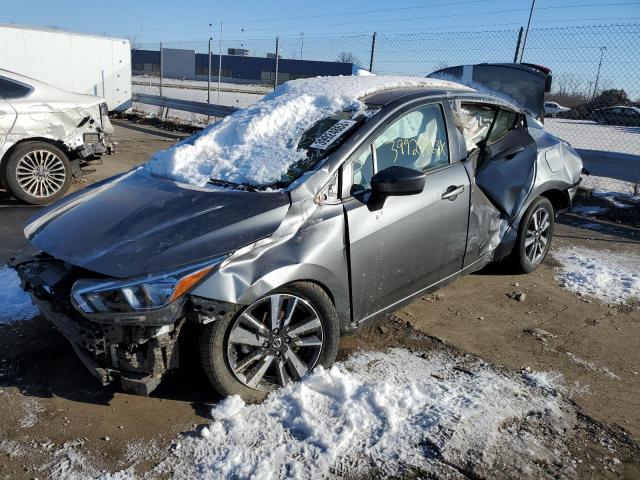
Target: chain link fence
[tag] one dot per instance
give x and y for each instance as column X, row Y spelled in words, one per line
column 596, row 70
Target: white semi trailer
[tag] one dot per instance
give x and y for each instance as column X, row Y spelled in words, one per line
column 76, row 62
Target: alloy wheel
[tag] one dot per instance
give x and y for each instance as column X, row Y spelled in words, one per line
column 41, row 173
column 275, row 340
column 537, row 237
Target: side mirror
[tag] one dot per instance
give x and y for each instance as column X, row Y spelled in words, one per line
column 395, row 181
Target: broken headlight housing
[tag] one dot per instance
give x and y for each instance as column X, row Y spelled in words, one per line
column 139, row 294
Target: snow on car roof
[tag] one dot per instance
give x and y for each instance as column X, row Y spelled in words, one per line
column 257, row 145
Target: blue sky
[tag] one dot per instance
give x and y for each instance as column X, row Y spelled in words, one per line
column 174, row 21
column 253, row 24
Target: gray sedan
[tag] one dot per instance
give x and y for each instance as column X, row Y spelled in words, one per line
column 402, row 196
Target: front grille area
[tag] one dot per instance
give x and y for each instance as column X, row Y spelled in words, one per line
column 77, row 330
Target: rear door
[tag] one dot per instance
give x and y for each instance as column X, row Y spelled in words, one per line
column 7, row 120
column 506, row 170
column 409, row 242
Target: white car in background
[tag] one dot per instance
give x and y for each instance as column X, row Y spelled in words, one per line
column 46, row 135
column 553, row 109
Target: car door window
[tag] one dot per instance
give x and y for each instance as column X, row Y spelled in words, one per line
column 362, row 171
column 474, row 121
column 9, row 89
column 504, row 122
column 416, row 140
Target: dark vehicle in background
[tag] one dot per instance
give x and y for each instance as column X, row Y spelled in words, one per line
column 424, row 186
column 618, row 115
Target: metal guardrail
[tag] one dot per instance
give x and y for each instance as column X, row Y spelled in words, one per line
column 184, row 105
column 187, row 86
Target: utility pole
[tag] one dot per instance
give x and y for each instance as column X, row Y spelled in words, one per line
column 209, row 73
column 589, row 90
column 595, row 86
column 301, row 43
column 220, row 64
column 526, row 33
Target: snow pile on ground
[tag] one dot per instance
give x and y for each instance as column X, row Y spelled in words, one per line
column 606, row 184
column 385, row 414
column 15, row 304
column 618, row 199
column 258, row 145
column 610, row 276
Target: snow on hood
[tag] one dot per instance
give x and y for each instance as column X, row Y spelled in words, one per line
column 257, row 145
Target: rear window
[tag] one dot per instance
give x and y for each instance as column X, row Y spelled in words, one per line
column 10, row 89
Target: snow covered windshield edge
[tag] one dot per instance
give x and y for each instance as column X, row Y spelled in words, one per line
column 271, row 143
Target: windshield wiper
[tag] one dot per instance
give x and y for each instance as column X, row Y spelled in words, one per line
column 227, row 184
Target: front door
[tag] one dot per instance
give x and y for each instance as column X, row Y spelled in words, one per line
column 410, row 242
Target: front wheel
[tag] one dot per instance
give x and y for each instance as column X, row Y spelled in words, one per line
column 277, row 339
column 534, row 236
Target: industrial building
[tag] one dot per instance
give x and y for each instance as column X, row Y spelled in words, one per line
column 237, row 66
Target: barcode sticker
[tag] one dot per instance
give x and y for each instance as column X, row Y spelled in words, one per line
column 325, row 140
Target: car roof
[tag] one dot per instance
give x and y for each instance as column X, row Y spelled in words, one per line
column 385, row 97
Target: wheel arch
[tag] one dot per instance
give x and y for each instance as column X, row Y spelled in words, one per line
column 51, row 141
column 560, row 199
column 229, row 286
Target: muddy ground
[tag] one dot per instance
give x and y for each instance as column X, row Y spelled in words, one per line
column 55, row 414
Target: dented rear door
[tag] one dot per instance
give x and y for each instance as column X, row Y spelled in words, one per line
column 7, row 120
column 506, row 171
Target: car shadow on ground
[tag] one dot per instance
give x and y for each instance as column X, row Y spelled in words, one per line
column 40, row 362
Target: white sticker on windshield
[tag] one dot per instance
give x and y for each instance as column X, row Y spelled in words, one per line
column 327, row 138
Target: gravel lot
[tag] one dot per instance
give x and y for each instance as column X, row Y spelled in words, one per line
column 564, row 367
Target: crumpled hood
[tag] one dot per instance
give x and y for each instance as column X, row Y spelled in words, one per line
column 137, row 223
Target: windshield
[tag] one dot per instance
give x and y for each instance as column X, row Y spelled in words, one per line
column 320, row 140
column 315, row 144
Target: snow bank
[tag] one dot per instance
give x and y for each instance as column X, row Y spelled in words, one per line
column 382, row 412
column 15, row 304
column 258, row 145
column 610, row 276
column 606, row 184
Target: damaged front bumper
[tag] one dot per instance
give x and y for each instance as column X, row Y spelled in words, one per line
column 135, row 355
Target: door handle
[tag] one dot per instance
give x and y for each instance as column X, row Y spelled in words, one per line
column 509, row 152
column 452, row 192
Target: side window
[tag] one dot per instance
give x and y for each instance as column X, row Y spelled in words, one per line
column 362, row 171
column 416, row 140
column 9, row 89
column 474, row 121
column 504, row 122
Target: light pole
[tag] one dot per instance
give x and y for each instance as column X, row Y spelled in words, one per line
column 301, row 43
column 595, row 86
column 220, row 64
column 526, row 33
column 209, row 73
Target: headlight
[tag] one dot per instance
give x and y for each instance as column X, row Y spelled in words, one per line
column 134, row 295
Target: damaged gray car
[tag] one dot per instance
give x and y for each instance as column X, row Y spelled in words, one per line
column 397, row 193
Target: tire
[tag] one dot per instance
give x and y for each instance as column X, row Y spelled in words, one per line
column 522, row 258
column 38, row 173
column 225, row 361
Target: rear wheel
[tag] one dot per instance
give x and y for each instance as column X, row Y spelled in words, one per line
column 275, row 340
column 38, row 173
column 534, row 236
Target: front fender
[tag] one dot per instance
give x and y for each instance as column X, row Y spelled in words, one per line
column 314, row 252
